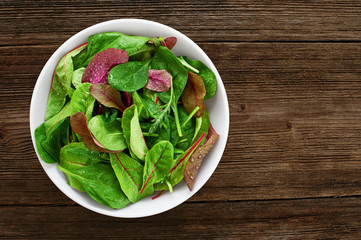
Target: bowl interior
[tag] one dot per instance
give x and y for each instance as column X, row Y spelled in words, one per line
column 217, row 107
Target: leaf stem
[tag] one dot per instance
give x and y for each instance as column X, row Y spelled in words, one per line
column 187, row 65
column 190, row 116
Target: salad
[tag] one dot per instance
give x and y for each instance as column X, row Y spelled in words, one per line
column 126, row 118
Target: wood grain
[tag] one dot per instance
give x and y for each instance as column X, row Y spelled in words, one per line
column 292, row 72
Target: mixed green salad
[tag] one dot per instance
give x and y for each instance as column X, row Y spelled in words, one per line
column 126, row 117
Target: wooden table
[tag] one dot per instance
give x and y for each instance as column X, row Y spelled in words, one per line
column 291, row 168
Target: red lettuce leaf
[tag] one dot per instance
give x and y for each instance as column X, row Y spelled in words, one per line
column 159, row 80
column 99, row 67
column 107, row 96
column 193, row 94
column 79, row 124
column 170, row 42
column 195, row 161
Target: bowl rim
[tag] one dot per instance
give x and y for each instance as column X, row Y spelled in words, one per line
column 63, row 48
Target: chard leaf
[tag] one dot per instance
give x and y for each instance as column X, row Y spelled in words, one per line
column 79, row 124
column 129, row 76
column 137, row 141
column 108, row 135
column 195, row 161
column 101, row 64
column 158, row 163
column 61, row 83
column 130, row 175
column 170, row 42
column 77, row 75
column 193, row 95
column 82, row 101
column 209, row 79
column 101, row 184
column 159, row 80
column 99, row 42
column 56, row 138
column 164, row 59
column 65, row 112
column 75, row 156
column 107, row 96
column 40, row 137
column 176, row 173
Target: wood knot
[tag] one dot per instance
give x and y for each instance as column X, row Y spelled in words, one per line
column 243, row 106
column 289, row 125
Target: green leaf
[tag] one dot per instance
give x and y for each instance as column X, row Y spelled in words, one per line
column 77, row 77
column 129, row 76
column 130, row 175
column 100, row 42
column 56, row 138
column 101, row 184
column 109, row 135
column 165, row 59
column 82, row 101
column 137, row 141
column 75, row 156
column 158, row 163
column 138, row 101
column 65, row 112
column 209, row 79
column 202, row 126
column 40, row 137
column 187, row 130
column 61, row 83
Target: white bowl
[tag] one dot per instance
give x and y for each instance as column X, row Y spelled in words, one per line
column 217, row 107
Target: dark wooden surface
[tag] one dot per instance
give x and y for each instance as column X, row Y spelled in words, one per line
column 291, row 168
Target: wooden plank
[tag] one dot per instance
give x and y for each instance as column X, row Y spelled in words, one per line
column 327, row 218
column 295, row 123
column 49, row 22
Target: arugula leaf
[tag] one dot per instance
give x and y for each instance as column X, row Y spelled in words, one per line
column 130, row 175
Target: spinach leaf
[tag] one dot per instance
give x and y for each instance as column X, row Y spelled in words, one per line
column 129, row 77
column 137, row 141
column 76, row 156
column 209, row 79
column 65, row 112
column 130, row 175
column 101, row 184
column 158, row 163
column 77, row 75
column 82, row 101
column 107, row 96
column 108, row 135
column 79, row 124
column 100, row 42
column 61, row 83
column 56, row 138
column 40, row 137
column 165, row 59
column 138, row 101
column 143, row 54
column 128, row 115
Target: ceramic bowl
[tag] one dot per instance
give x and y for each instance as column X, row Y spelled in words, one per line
column 217, row 107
